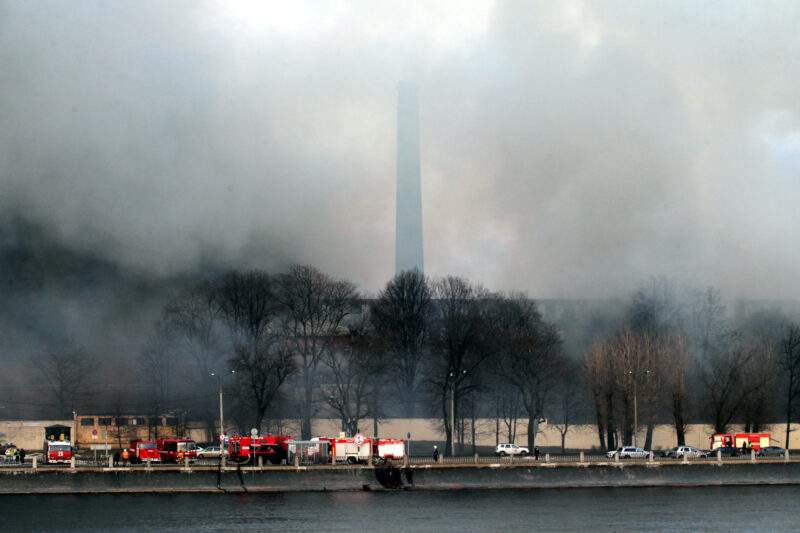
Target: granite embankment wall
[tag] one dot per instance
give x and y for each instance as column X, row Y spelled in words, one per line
column 284, row 479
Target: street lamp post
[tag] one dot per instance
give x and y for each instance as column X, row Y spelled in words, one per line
column 635, row 404
column 453, row 411
column 221, row 420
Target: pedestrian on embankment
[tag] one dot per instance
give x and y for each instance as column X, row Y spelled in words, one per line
column 435, row 454
column 535, row 453
column 22, row 456
column 125, row 457
column 115, row 459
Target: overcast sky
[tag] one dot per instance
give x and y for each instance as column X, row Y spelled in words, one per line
column 569, row 149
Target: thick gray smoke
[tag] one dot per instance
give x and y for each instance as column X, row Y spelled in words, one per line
column 569, row 149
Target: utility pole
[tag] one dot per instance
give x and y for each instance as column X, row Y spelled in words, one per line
column 221, row 420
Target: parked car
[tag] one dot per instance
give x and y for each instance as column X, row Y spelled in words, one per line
column 510, row 449
column 771, row 451
column 688, row 451
column 628, row 452
column 208, row 452
column 727, row 451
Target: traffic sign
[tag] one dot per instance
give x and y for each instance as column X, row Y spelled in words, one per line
column 358, row 439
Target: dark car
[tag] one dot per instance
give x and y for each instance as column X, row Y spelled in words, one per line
column 771, row 451
column 727, row 451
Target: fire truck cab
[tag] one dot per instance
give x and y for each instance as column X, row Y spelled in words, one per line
column 57, row 451
column 142, row 450
column 736, row 440
column 172, row 449
column 57, row 447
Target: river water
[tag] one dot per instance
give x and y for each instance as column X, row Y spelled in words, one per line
column 762, row 508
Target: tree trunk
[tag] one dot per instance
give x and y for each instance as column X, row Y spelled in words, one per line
column 648, row 439
column 600, row 426
column 789, row 409
column 533, row 429
column 627, row 422
column 447, row 422
column 677, row 414
column 611, row 430
column 305, row 425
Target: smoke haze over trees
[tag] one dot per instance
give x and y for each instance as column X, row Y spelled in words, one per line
column 170, row 171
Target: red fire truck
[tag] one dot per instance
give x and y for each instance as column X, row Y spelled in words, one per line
column 735, row 440
column 57, row 451
column 246, row 449
column 359, row 449
column 389, row 449
column 57, row 447
column 142, row 450
column 172, row 449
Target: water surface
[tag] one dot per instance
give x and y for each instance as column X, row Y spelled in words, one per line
column 762, row 508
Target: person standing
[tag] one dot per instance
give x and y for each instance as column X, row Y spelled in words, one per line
column 435, row 454
column 535, row 453
column 115, row 461
column 22, row 456
column 125, row 457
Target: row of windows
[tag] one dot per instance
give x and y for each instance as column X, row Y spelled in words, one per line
column 129, row 421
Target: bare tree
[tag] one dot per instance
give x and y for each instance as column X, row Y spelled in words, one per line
column 655, row 307
column 723, row 378
column 569, row 399
column 674, row 367
column 458, row 347
column 314, row 308
column 262, row 360
column 789, row 358
column 709, row 328
column 597, row 368
column 531, row 357
column 401, row 316
column 757, row 382
column 67, row 369
column 353, row 368
column 505, row 405
column 158, row 367
column 260, row 372
column 623, row 376
column 193, row 315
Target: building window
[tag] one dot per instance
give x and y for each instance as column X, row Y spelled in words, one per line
column 139, row 421
column 87, row 421
column 121, row 421
column 156, row 421
column 103, row 421
column 172, row 421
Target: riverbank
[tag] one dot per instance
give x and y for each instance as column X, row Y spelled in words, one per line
column 415, row 477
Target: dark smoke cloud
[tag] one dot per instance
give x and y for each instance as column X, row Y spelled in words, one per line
column 569, row 149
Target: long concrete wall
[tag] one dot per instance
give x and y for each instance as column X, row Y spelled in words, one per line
column 429, row 477
column 580, row 437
